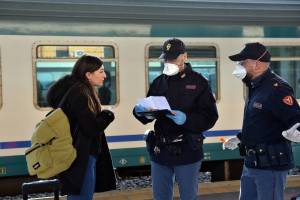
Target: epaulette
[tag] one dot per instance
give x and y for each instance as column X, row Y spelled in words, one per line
column 277, row 82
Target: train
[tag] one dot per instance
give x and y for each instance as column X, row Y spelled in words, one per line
column 40, row 46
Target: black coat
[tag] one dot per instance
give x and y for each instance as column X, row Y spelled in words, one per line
column 190, row 93
column 87, row 130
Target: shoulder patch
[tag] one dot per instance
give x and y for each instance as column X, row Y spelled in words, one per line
column 288, row 100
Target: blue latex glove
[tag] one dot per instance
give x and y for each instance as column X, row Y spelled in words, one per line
column 138, row 108
column 179, row 117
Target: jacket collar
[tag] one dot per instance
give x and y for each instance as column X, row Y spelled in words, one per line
column 260, row 79
column 186, row 71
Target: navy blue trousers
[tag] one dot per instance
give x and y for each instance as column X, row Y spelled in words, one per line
column 259, row 184
column 163, row 178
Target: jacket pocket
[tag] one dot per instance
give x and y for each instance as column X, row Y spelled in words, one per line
column 280, row 154
column 284, row 153
column 195, row 141
column 262, row 155
column 150, row 141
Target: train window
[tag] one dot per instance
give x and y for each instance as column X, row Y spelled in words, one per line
column 286, row 63
column 53, row 62
column 202, row 58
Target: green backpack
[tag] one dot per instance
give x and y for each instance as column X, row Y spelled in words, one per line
column 51, row 150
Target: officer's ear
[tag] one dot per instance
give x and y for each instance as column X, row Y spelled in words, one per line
column 185, row 57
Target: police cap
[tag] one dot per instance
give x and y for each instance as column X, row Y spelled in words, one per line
column 254, row 51
column 172, row 48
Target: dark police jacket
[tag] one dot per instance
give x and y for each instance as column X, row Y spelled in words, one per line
column 269, row 110
column 190, row 93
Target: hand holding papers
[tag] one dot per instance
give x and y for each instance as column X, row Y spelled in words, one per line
column 153, row 106
column 178, row 117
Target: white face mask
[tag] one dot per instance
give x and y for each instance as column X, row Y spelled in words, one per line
column 239, row 72
column 170, row 69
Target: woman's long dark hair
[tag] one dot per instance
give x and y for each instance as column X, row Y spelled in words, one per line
column 83, row 65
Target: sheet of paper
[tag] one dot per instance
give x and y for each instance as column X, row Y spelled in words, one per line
column 155, row 103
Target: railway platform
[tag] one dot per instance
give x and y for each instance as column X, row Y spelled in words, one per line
column 223, row 190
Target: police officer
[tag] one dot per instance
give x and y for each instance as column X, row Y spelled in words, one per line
column 271, row 111
column 175, row 146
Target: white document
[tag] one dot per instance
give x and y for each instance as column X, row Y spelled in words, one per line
column 155, row 103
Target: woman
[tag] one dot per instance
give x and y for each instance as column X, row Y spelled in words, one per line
column 92, row 169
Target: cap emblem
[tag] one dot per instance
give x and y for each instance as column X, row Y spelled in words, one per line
column 168, row 46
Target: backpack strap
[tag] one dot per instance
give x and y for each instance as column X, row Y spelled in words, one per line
column 62, row 101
